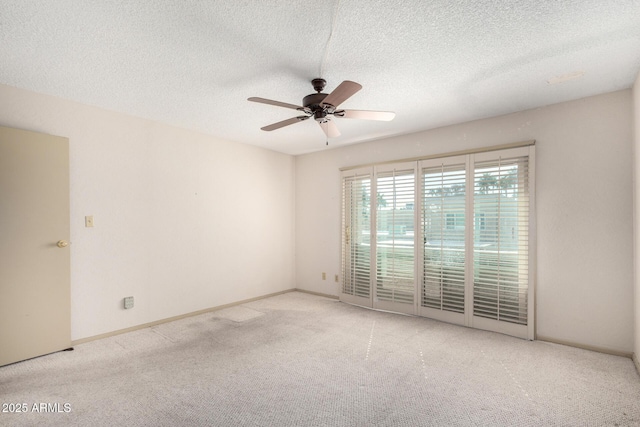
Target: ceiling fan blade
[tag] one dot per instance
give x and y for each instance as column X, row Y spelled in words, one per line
column 284, row 123
column 344, row 91
column 366, row 115
column 330, row 129
column 276, row 103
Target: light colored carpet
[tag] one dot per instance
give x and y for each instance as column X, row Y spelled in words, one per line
column 302, row 360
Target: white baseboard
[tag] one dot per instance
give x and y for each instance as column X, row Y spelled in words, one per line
column 171, row 319
column 586, row 347
column 320, row 294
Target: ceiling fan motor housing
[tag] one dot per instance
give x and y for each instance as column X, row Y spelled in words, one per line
column 312, row 102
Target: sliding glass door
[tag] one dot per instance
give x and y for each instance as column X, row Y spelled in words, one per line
column 356, row 237
column 448, row 238
column 501, row 272
column 395, row 237
column 443, row 226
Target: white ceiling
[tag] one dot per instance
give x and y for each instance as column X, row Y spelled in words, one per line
column 194, row 63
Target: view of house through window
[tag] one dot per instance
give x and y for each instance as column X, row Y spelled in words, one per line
column 356, row 218
column 443, row 225
column 395, row 235
column 465, row 218
column 501, row 245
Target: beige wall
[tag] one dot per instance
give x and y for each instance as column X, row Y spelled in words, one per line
column 584, row 210
column 183, row 221
column 172, row 232
column 636, row 212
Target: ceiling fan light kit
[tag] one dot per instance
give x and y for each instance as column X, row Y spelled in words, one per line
column 322, row 106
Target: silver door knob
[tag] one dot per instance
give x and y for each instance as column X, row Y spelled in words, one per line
column 62, row 243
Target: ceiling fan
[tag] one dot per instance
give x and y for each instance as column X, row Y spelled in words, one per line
column 322, row 106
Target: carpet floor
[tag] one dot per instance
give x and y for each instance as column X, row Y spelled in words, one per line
column 302, row 360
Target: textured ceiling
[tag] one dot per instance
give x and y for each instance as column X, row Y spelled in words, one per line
column 194, row 63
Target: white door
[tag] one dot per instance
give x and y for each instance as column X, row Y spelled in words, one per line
column 34, row 257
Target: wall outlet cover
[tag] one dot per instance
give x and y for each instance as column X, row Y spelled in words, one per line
column 128, row 302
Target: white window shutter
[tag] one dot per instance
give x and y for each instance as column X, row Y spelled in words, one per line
column 467, row 219
column 501, row 239
column 443, row 223
column 356, row 235
column 395, row 234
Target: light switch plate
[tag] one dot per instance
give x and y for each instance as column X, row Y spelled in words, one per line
column 88, row 221
column 128, row 302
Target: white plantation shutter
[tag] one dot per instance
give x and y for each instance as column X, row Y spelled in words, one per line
column 356, row 235
column 467, row 219
column 443, row 222
column 395, row 235
column 501, row 242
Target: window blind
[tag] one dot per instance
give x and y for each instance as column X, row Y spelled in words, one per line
column 443, row 232
column 356, row 236
column 448, row 238
column 500, row 255
column 395, row 234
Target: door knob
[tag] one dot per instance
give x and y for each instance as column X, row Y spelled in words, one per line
column 62, row 243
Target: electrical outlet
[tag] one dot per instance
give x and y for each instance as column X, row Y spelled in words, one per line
column 128, row 302
column 88, row 221
column 324, row 276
